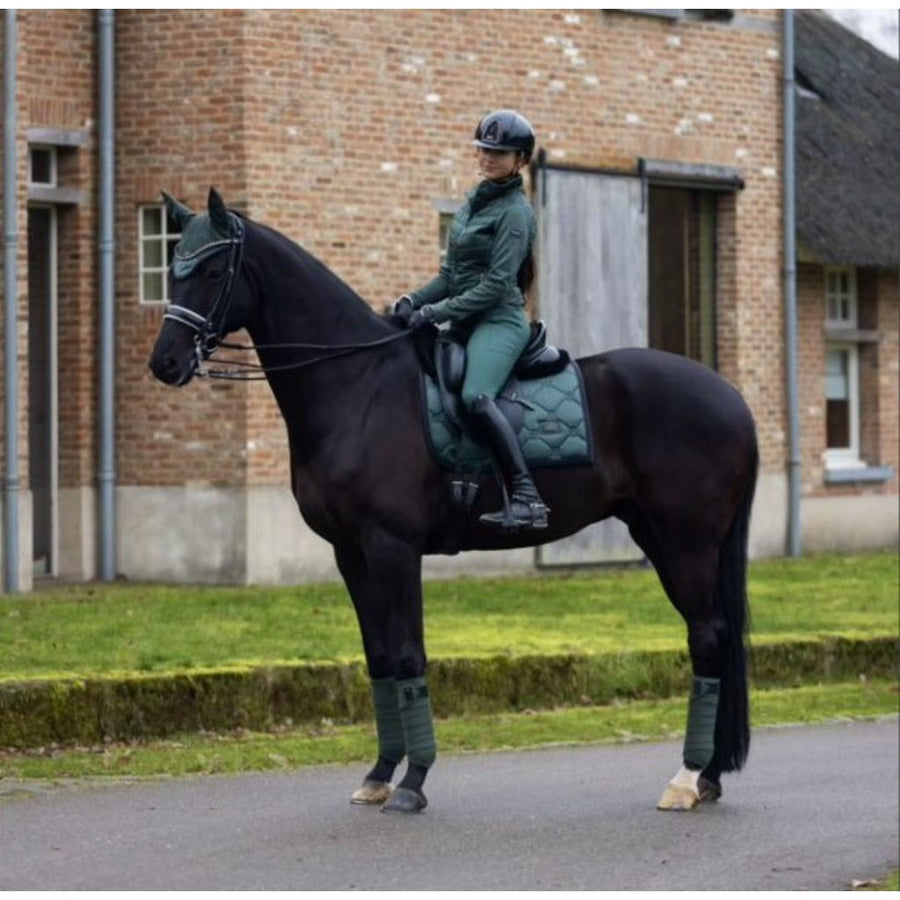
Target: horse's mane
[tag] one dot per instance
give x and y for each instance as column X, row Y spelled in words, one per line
column 312, row 267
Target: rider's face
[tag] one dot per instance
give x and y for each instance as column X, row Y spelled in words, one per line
column 498, row 165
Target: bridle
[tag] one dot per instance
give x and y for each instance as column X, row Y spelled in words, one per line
column 209, row 330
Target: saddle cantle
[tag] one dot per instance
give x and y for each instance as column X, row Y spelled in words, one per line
column 543, row 400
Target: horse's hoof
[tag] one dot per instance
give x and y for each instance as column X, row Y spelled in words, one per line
column 405, row 800
column 676, row 797
column 682, row 792
column 373, row 793
column 709, row 791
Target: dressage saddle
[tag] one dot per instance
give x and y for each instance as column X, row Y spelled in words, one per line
column 537, row 360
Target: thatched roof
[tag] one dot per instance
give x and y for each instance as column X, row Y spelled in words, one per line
column 848, row 146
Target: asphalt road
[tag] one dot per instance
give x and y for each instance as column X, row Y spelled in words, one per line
column 816, row 808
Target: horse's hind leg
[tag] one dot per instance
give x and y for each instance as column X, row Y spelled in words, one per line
column 690, row 581
column 688, row 570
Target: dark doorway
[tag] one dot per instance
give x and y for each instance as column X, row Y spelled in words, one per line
column 42, row 386
column 682, row 272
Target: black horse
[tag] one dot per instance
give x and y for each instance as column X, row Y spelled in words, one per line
column 675, row 458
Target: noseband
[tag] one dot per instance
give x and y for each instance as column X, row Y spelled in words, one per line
column 210, row 329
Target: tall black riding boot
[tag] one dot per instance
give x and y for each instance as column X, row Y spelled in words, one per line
column 526, row 509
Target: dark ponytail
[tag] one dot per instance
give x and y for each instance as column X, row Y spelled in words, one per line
column 527, row 272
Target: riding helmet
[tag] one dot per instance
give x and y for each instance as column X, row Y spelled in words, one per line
column 505, row 129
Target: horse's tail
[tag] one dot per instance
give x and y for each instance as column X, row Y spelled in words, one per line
column 733, row 718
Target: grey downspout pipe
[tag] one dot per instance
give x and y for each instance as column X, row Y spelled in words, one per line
column 106, row 474
column 10, row 313
column 794, row 547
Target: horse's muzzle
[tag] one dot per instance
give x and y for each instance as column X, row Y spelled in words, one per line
column 168, row 371
column 172, row 364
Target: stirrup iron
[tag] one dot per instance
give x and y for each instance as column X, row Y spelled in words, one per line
column 525, row 496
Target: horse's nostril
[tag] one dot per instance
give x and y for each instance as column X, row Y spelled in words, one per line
column 165, row 369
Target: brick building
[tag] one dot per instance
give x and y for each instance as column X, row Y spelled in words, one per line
column 348, row 130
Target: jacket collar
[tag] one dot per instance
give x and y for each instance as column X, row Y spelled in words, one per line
column 484, row 193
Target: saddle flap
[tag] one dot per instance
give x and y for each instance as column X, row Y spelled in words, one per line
column 549, row 416
column 450, row 370
column 450, row 361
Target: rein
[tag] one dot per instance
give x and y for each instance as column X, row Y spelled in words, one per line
column 246, row 371
column 209, row 330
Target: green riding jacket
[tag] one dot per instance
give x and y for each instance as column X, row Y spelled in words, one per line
column 489, row 239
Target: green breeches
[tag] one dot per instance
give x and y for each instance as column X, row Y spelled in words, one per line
column 700, row 737
column 492, row 351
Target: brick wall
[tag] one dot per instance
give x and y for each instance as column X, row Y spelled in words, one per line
column 888, row 371
column 179, row 128
column 56, row 89
column 811, row 371
column 358, row 121
column 342, row 129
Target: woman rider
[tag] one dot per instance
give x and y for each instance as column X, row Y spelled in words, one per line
column 479, row 289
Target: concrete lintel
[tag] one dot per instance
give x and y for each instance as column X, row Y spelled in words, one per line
column 57, row 137
column 60, row 196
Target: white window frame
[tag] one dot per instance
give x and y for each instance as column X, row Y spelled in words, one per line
column 842, row 314
column 847, row 457
column 837, row 297
column 447, row 208
column 445, row 223
column 164, row 238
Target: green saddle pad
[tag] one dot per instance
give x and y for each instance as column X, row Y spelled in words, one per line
column 549, row 414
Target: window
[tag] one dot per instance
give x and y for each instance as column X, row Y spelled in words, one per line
column 42, row 166
column 444, row 222
column 842, row 404
column 841, row 371
column 446, row 208
column 840, row 297
column 158, row 235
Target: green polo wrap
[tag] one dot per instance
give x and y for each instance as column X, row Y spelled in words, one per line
column 418, row 723
column 700, row 738
column 388, row 724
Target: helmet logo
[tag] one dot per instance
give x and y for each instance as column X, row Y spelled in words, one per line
column 490, row 133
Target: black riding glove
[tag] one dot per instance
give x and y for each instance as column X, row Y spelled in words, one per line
column 419, row 318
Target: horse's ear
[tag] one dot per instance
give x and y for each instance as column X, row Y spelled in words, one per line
column 218, row 214
column 178, row 211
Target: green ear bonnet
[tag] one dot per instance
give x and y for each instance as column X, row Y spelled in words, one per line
column 202, row 236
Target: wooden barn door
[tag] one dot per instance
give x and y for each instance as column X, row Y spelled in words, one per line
column 592, row 270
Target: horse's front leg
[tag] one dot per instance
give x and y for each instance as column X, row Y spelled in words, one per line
column 385, row 582
column 394, row 568
column 376, row 787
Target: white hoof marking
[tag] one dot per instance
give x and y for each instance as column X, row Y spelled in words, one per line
column 682, row 791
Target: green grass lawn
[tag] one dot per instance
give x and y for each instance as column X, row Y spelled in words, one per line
column 102, row 629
